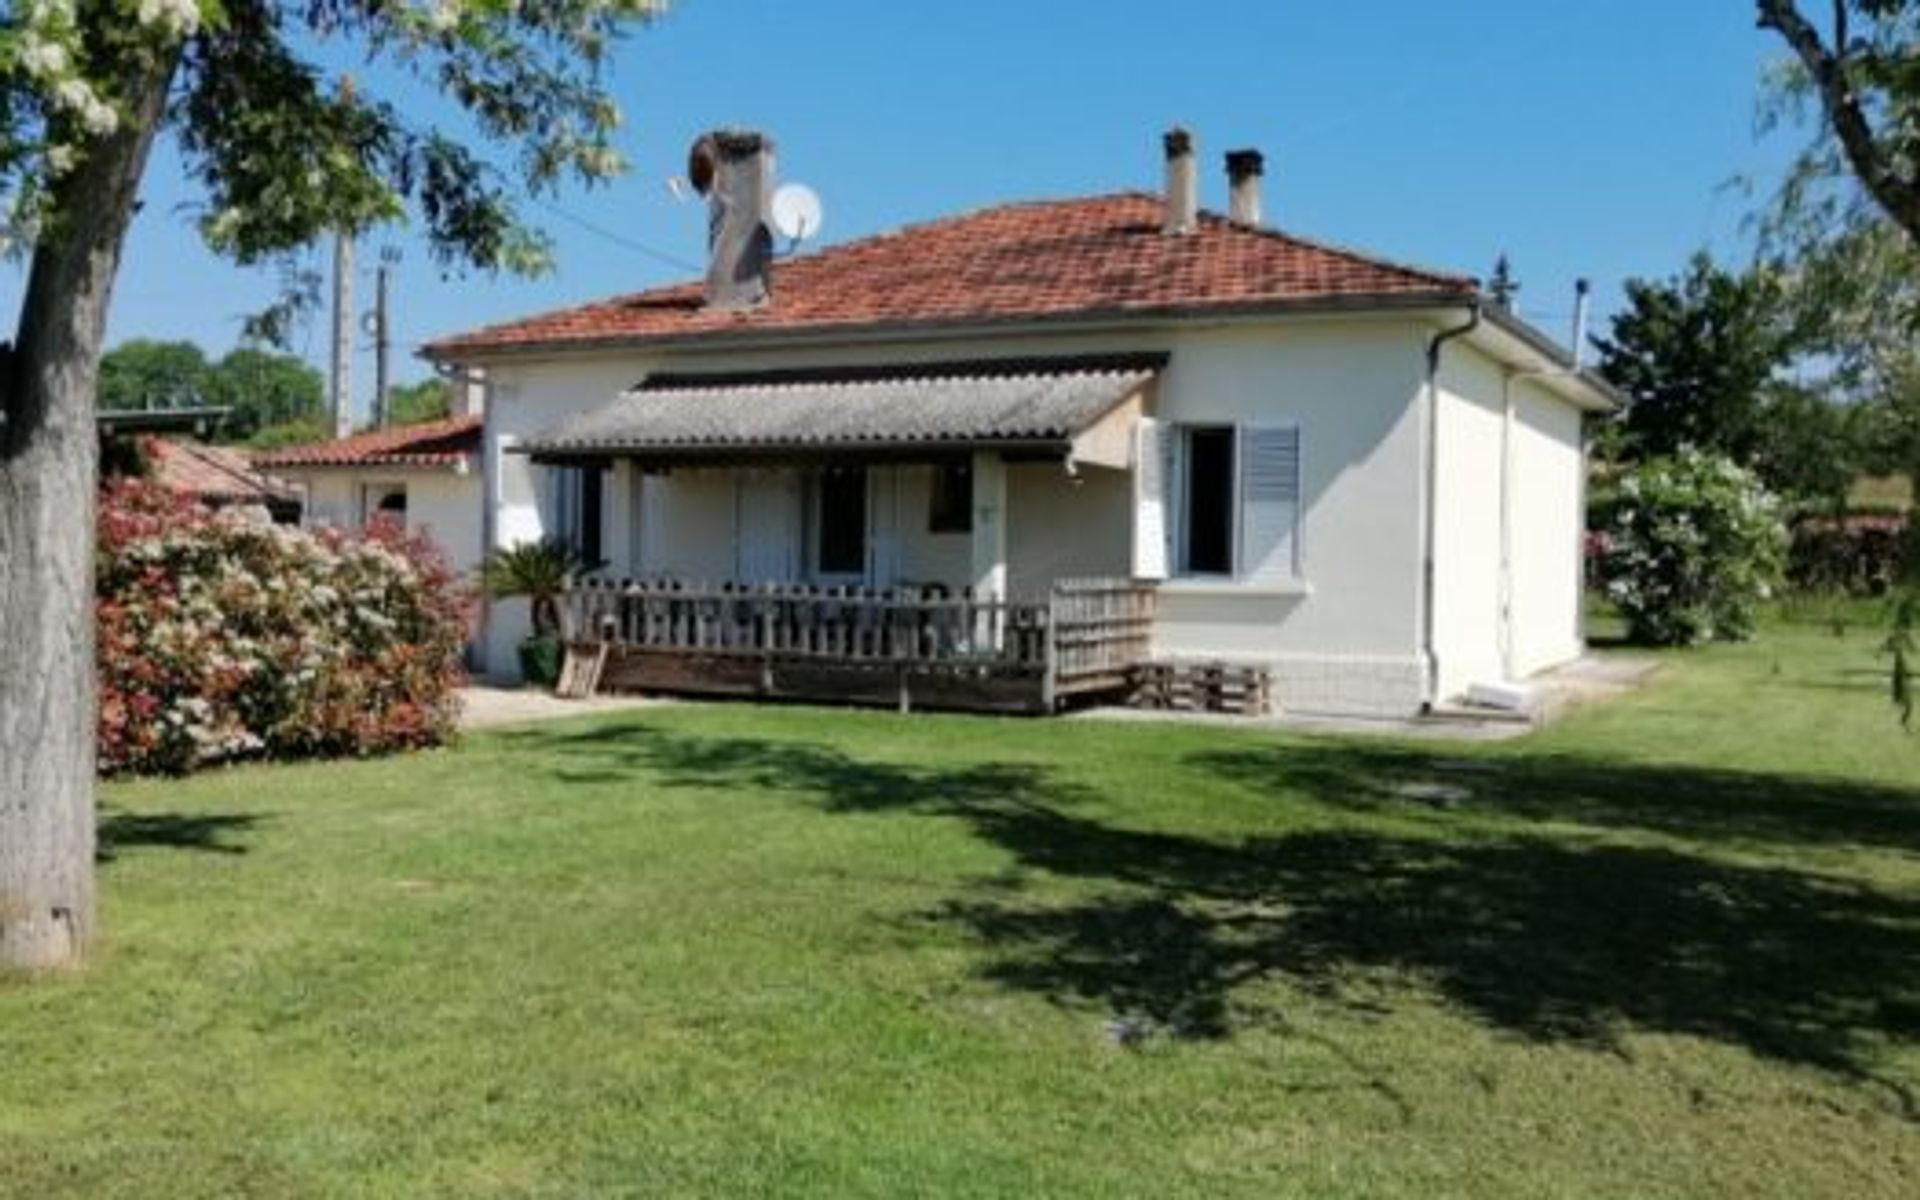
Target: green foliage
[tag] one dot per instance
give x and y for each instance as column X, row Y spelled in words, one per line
column 259, row 388
column 263, row 390
column 144, row 374
column 538, row 571
column 297, row 432
column 1691, row 548
column 284, row 149
column 412, row 403
column 1696, row 355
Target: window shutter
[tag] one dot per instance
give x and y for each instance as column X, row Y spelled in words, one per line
column 1151, row 529
column 1269, row 502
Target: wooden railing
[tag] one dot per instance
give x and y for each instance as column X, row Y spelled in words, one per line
column 1086, row 634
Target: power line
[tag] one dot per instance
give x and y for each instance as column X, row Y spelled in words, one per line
column 617, row 239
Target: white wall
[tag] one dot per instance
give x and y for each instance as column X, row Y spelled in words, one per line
column 1346, row 634
column 1064, row 527
column 443, row 505
column 446, row 507
column 1466, row 601
column 1508, row 619
column 1546, row 524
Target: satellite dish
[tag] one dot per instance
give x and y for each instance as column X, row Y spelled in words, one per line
column 797, row 214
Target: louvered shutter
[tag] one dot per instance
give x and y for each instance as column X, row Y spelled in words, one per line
column 1151, row 529
column 1269, row 502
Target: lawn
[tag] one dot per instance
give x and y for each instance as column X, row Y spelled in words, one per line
column 1669, row 947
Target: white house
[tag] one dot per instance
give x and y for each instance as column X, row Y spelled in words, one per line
column 1364, row 475
column 425, row 476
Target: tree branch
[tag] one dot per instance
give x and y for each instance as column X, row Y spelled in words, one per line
column 1900, row 197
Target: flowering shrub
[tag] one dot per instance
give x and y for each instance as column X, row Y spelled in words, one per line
column 1692, row 544
column 222, row 637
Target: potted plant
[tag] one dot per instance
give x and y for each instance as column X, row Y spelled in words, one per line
column 539, row 571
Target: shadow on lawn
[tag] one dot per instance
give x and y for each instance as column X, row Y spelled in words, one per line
column 1691, row 802
column 1558, row 938
column 178, row 831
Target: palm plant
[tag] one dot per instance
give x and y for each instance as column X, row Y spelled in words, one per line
column 539, row 571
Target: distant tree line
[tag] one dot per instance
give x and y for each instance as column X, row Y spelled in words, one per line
column 272, row 399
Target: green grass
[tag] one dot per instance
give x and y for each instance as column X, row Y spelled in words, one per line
column 1670, row 947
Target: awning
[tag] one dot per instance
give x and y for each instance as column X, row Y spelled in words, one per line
column 1065, row 407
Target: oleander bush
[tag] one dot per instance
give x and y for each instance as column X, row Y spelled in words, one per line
column 223, row 637
column 1689, row 547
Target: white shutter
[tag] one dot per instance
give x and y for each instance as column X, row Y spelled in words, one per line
column 883, row 526
column 1151, row 529
column 1269, row 502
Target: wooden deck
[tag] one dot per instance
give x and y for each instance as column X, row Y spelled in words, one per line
column 901, row 647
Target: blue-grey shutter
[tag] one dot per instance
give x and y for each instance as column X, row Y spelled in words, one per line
column 1269, row 503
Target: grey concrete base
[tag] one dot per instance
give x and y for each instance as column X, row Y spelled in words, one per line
column 1586, row 680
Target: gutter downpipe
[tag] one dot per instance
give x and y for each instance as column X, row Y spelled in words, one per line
column 1429, row 498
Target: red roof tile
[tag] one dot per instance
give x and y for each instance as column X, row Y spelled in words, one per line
column 450, row 442
column 1103, row 255
column 216, row 474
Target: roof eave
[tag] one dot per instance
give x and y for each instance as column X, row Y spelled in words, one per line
column 1079, row 320
column 1597, row 395
column 462, row 467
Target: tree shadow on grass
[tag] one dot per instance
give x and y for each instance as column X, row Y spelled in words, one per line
column 1702, row 804
column 205, row 832
column 1560, row 938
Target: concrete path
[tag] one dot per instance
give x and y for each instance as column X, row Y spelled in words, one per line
column 485, row 706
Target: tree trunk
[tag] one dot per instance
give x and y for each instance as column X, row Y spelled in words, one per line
column 48, row 448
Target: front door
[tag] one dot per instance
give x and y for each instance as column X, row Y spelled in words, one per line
column 839, row 542
column 768, row 533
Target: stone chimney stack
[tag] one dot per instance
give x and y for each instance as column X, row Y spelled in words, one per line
column 1183, row 184
column 1244, row 169
column 733, row 169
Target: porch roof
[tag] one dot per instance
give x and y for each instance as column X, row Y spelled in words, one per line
column 1039, row 405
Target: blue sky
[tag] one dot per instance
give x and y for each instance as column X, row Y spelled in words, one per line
column 1581, row 138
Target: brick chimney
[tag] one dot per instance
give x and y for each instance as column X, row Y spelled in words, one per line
column 1244, row 169
column 733, row 169
column 1183, row 186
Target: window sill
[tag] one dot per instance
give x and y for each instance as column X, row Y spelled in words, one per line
column 1234, row 587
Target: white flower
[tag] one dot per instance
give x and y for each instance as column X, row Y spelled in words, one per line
column 443, row 15
column 180, row 18
column 42, row 59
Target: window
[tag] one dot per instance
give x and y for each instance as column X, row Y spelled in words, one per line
column 578, row 510
column 950, row 509
column 1225, row 498
column 1206, row 500
column 384, row 502
column 840, row 542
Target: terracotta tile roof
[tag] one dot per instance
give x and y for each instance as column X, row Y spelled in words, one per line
column 216, row 474
column 450, row 442
column 1099, row 256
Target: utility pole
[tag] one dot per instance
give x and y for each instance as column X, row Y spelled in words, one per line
column 342, row 395
column 382, row 336
column 342, row 378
